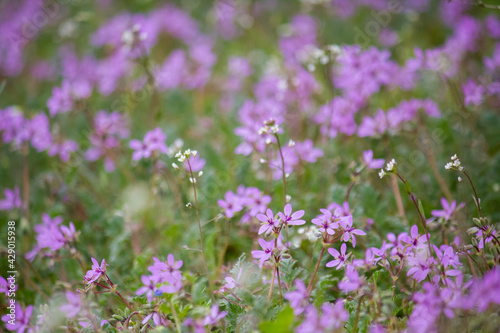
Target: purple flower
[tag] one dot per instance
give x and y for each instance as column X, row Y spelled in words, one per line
column 166, row 269
column 351, row 281
column 291, row 219
column 481, row 233
column 172, row 285
column 266, row 252
column 339, row 258
column 420, row 267
column 370, row 162
column 298, row 298
column 447, row 211
column 349, row 231
column 63, row 149
column 149, row 287
column 12, row 199
column 73, row 306
column 157, row 319
column 327, row 222
column 194, row 163
column 96, row 272
column 415, row 240
column 153, row 143
column 473, row 93
column 268, row 222
column 214, row 316
column 22, row 319
column 231, row 204
column 334, row 316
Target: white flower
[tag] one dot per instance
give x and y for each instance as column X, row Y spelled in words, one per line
column 175, row 166
column 448, row 166
column 291, row 143
column 459, row 179
column 381, row 174
column 192, row 180
column 390, row 166
column 454, row 157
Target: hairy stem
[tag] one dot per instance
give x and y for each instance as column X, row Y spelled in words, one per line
column 478, row 204
column 310, row 286
column 199, row 228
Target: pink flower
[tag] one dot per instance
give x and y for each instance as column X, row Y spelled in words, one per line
column 96, row 272
column 267, row 250
column 149, row 287
column 74, row 305
column 291, row 219
column 339, row 258
column 22, row 319
column 12, row 199
column 268, row 222
column 349, row 231
column 231, row 204
column 370, row 162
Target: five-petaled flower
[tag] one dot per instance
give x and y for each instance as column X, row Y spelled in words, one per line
column 339, row 258
column 96, row 272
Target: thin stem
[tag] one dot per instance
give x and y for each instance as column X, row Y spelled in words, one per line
column 176, row 318
column 478, row 204
column 423, row 221
column 355, row 177
column 130, row 317
column 124, row 300
column 272, row 284
column 199, row 228
column 279, row 282
column 120, row 295
column 355, row 326
column 283, row 176
column 309, row 287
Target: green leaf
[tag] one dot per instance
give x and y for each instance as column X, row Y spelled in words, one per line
column 282, row 323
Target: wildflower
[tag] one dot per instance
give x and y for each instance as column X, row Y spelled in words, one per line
column 231, row 283
column 266, row 252
column 289, row 218
column 298, row 298
column 455, row 164
column 12, row 199
column 22, row 319
column 149, row 287
column 63, row 149
column 339, row 258
column 370, row 162
column 172, row 285
column 152, row 143
column 268, row 222
column 351, row 280
column 96, row 272
column 349, row 231
column 214, row 316
column 415, row 240
column 420, row 267
column 168, row 268
column 334, row 316
column 231, row 204
column 391, row 165
column 192, row 161
column 327, row 222
column 157, row 319
column 473, row 93
column 381, row 173
column 73, row 306
column 447, row 211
